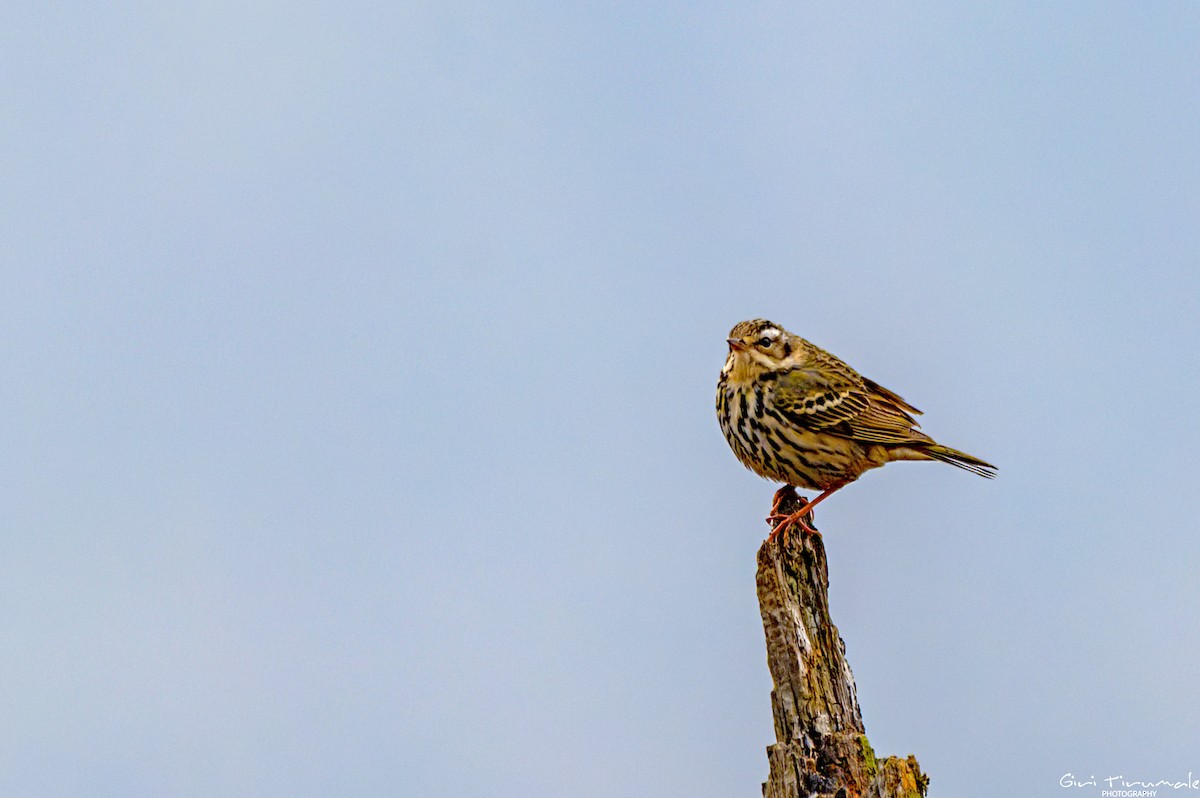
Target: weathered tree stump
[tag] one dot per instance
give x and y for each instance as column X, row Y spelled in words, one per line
column 821, row 748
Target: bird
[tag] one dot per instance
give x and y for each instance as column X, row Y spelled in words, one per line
column 796, row 414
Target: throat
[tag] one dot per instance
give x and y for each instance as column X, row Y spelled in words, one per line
column 742, row 371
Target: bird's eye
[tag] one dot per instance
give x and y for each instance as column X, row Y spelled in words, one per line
column 764, row 342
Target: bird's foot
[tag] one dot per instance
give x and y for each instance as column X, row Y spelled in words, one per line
column 796, row 518
column 782, row 495
column 799, row 518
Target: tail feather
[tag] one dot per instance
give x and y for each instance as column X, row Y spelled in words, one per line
column 963, row 460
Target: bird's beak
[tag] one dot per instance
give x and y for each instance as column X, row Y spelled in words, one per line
column 735, row 345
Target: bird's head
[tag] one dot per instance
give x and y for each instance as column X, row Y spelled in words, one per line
column 756, row 346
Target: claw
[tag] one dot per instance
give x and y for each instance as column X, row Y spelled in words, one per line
column 788, row 521
column 796, row 518
column 786, row 492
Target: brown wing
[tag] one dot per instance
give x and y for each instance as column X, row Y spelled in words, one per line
column 820, row 398
column 888, row 419
column 890, row 396
column 833, row 398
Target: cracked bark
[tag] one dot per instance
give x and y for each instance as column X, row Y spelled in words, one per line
column 821, row 748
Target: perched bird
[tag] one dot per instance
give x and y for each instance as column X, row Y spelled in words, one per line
column 795, row 414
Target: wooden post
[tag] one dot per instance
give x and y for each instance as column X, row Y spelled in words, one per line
column 821, row 748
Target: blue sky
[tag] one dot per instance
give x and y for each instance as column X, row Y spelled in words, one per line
column 358, row 416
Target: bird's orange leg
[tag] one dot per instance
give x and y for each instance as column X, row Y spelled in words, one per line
column 796, row 518
column 783, row 493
